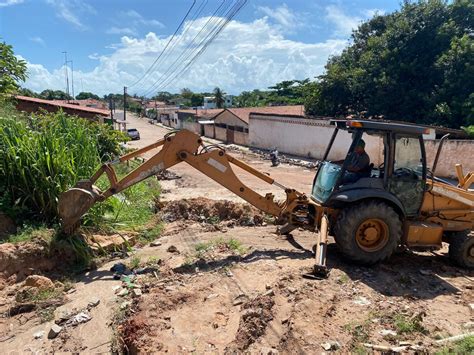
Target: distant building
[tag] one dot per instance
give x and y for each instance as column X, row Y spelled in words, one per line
column 232, row 124
column 210, row 102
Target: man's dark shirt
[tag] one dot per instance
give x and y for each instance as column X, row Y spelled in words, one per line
column 358, row 162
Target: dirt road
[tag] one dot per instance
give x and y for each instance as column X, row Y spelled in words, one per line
column 195, row 184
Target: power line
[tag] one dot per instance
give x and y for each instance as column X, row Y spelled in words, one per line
column 201, row 47
column 167, row 44
column 190, row 51
column 184, row 50
column 202, row 50
column 183, row 34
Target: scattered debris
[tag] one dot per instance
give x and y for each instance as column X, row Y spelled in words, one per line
column 362, row 301
column 39, row 335
column 125, row 305
column 167, row 175
column 395, row 349
column 94, row 302
column 145, row 270
column 81, row 317
column 211, row 296
column 454, row 338
column 331, row 345
column 137, row 292
column 388, row 333
column 468, row 325
column 239, row 299
column 123, row 292
column 172, row 249
column 54, row 331
column 156, row 243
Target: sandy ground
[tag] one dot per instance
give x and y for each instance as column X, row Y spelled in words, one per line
column 210, row 298
column 194, row 184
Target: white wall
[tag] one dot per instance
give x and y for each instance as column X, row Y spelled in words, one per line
column 309, row 138
column 453, row 152
column 305, row 137
column 192, row 126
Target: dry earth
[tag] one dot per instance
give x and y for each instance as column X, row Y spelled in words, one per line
column 222, row 286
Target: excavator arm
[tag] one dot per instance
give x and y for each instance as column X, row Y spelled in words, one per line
column 177, row 147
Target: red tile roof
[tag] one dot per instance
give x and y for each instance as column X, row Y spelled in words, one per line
column 86, row 102
column 204, row 113
column 244, row 112
column 60, row 103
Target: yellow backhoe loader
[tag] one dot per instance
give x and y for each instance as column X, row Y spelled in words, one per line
column 399, row 202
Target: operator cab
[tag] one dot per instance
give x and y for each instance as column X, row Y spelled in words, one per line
column 396, row 172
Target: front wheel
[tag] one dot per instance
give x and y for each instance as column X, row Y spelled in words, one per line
column 461, row 249
column 369, row 232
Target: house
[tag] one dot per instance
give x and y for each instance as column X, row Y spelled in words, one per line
column 232, row 124
column 200, row 121
column 31, row 104
column 210, row 101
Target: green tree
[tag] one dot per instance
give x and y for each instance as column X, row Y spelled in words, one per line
column 27, row 92
column 219, row 96
column 87, row 95
column 12, row 70
column 49, row 94
column 196, row 100
column 415, row 64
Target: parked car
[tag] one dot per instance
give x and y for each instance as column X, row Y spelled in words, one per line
column 133, row 134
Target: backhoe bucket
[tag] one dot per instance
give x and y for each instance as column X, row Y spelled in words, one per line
column 74, row 203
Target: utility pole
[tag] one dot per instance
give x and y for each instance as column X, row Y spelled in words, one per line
column 66, row 73
column 125, row 106
column 72, row 79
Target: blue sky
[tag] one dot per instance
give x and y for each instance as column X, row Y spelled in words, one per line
column 113, row 42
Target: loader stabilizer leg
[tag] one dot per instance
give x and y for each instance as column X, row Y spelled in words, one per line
column 320, row 270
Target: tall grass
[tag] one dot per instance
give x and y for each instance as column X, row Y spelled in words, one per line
column 43, row 155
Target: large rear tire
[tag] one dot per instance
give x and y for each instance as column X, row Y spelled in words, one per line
column 461, row 249
column 369, row 232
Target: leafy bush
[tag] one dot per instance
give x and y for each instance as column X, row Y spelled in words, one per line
column 469, row 130
column 43, row 155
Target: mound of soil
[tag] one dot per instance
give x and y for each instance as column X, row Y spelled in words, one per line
column 20, row 260
column 212, row 211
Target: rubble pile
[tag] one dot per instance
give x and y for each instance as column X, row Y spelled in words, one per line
column 264, row 154
column 211, row 211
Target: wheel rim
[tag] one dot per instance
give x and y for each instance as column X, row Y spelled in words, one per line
column 470, row 253
column 372, row 235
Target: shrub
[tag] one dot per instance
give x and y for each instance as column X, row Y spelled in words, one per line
column 43, row 155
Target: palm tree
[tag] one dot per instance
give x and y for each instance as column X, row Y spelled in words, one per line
column 219, row 97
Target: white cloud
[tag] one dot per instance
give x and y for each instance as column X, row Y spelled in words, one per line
column 140, row 20
column 372, row 12
column 244, row 56
column 344, row 24
column 281, row 15
column 69, row 11
column 5, row 3
column 120, row 31
column 38, row 40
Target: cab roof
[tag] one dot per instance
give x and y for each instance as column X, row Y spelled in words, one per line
column 376, row 126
